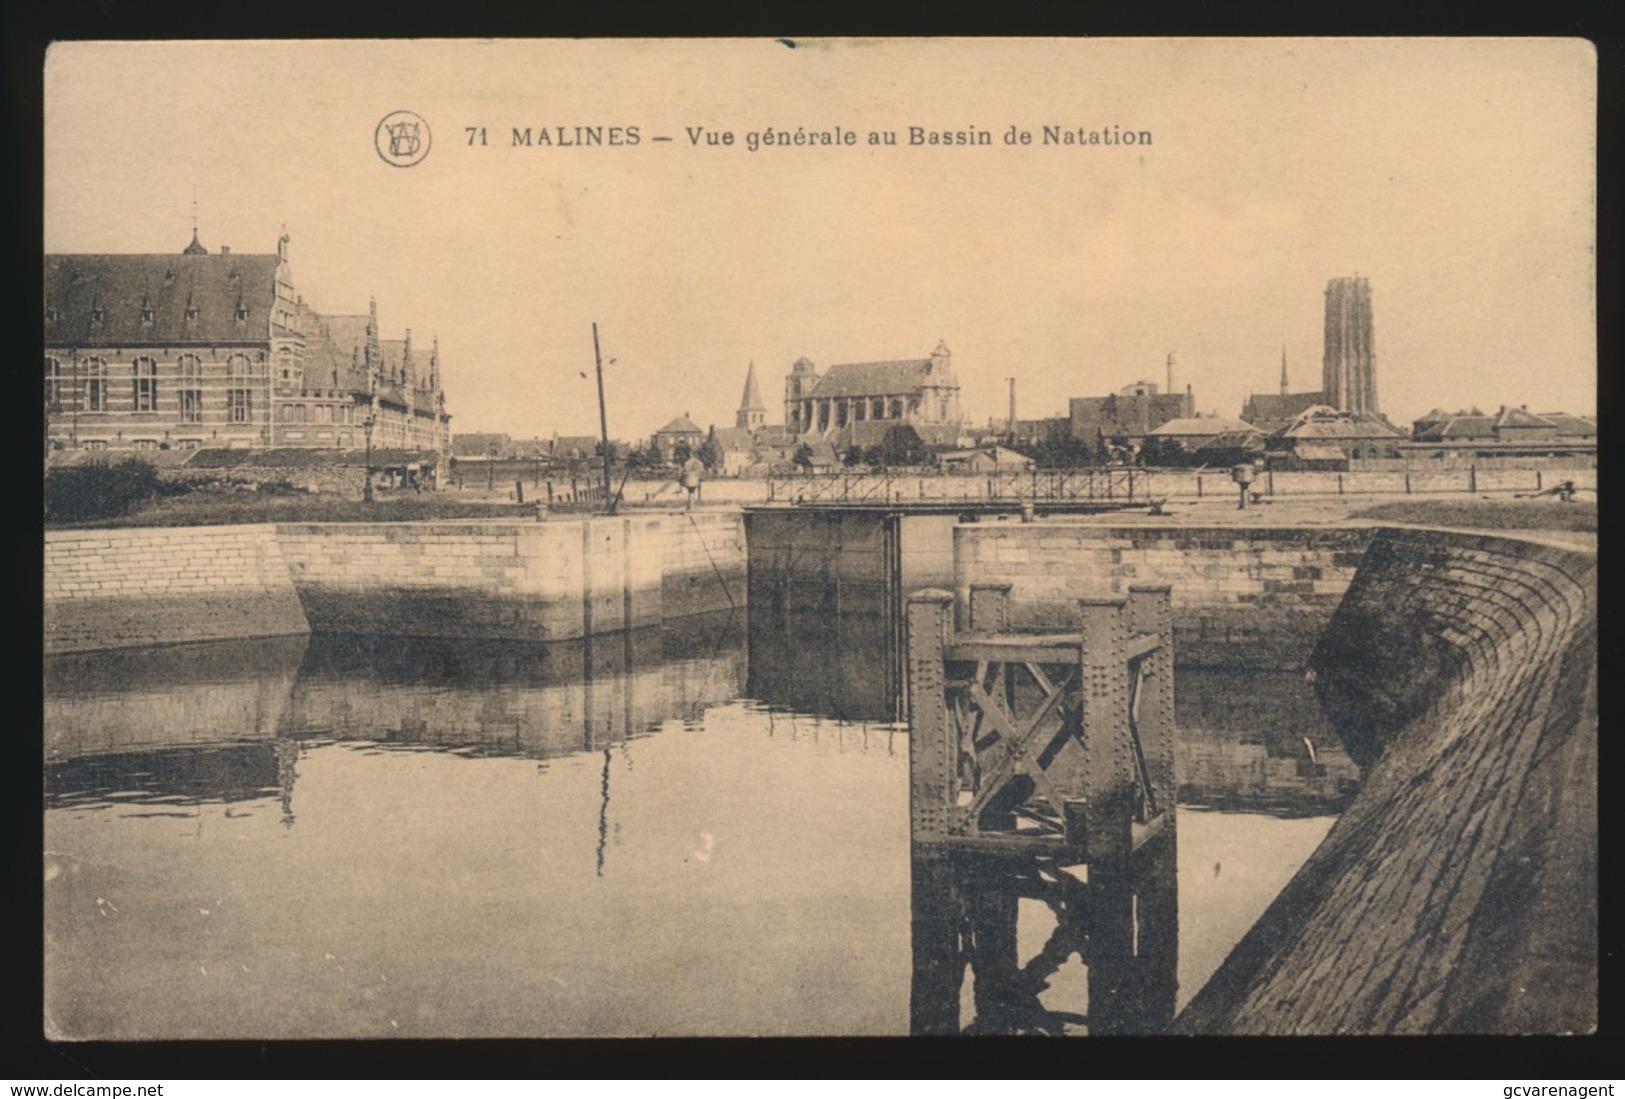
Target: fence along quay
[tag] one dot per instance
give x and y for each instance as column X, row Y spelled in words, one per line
column 1042, row 766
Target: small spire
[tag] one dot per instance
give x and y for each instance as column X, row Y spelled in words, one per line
column 196, row 247
column 1283, row 370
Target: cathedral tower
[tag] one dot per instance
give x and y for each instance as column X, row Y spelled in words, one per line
column 1349, row 371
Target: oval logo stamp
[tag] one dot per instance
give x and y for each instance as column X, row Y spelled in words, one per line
column 402, row 138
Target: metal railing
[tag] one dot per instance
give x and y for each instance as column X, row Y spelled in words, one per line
column 1038, row 486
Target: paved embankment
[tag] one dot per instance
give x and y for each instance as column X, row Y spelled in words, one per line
column 533, row 581
column 1257, row 596
column 1458, row 892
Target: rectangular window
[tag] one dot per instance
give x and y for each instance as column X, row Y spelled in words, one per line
column 190, row 444
column 96, row 444
column 191, row 406
column 146, row 385
column 145, row 444
column 239, row 406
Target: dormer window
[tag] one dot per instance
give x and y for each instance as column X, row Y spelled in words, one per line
column 52, row 315
column 148, row 315
column 241, row 312
column 98, row 315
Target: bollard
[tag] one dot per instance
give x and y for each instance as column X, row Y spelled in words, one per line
column 1407, row 482
column 519, row 490
column 1027, row 513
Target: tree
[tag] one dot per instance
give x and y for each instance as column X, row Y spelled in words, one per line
column 854, row 456
column 682, row 452
column 901, row 446
column 803, row 456
column 710, row 452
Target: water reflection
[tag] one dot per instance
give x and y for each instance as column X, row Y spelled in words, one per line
column 1257, row 741
column 431, row 809
column 839, row 666
column 225, row 722
column 1025, row 946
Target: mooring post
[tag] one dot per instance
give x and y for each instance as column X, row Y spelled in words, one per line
column 933, row 750
column 1108, row 763
column 989, row 610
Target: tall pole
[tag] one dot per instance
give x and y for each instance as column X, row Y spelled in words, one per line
column 603, row 420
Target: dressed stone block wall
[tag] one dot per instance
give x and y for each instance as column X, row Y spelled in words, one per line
column 121, row 588
column 1242, row 596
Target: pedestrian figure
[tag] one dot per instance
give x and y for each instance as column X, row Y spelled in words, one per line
column 688, row 476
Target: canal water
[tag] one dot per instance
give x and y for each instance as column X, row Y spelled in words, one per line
column 696, row 829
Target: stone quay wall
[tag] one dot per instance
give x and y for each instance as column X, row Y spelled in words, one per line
column 1458, row 892
column 109, row 589
column 1242, row 596
column 534, row 581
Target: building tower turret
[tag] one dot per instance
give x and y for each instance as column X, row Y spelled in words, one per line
column 1349, row 372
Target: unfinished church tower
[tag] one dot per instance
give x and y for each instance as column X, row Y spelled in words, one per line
column 1349, row 371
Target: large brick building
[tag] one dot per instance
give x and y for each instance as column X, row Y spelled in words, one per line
column 198, row 350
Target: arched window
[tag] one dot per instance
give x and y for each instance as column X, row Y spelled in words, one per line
column 1356, row 454
column 96, row 385
column 190, row 369
column 240, row 394
column 145, row 371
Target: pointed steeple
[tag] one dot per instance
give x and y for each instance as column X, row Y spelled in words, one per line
column 1283, row 370
column 752, row 412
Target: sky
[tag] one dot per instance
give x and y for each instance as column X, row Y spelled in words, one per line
column 1457, row 175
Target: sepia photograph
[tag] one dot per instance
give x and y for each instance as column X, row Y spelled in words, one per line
column 819, row 537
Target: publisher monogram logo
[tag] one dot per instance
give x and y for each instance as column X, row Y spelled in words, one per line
column 402, row 139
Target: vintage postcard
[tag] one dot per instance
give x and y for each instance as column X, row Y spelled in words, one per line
column 820, row 537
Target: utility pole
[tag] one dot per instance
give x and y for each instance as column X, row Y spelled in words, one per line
column 603, row 420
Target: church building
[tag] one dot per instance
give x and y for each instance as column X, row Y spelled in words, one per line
column 913, row 391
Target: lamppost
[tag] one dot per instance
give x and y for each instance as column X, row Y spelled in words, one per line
column 366, row 430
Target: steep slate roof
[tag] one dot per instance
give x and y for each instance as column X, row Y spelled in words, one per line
column 1518, row 417
column 874, row 379
column 333, row 349
column 681, row 426
column 734, row 438
column 584, row 446
column 118, row 284
column 1329, row 424
column 1276, row 406
column 1571, row 425
column 1202, row 426
column 477, row 444
column 1251, row 439
column 1455, row 425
